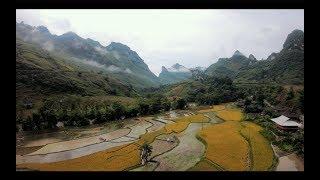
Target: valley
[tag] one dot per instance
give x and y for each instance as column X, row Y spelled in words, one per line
column 83, row 106
column 194, row 144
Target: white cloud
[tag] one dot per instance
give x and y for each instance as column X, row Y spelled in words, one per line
column 92, row 63
column 165, row 37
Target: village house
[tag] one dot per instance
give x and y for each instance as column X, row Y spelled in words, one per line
column 285, row 123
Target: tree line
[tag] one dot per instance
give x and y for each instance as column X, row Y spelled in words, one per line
column 73, row 112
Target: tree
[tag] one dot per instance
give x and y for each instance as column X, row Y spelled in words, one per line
column 290, row 94
column 155, row 105
column 27, row 124
column 119, row 110
column 181, row 103
column 143, row 107
column 132, row 111
column 36, row 120
column 301, row 100
column 145, row 152
column 166, row 104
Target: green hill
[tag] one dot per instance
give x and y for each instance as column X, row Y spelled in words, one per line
column 230, row 66
column 38, row 73
column 116, row 60
column 285, row 67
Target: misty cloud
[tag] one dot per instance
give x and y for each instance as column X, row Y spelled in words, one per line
column 101, row 50
column 93, row 63
column 113, row 68
column 49, row 46
column 165, row 37
column 127, row 70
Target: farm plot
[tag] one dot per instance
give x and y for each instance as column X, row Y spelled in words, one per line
column 158, row 147
column 214, row 108
column 261, row 151
column 42, row 142
column 225, row 146
column 156, row 126
column 230, row 114
column 161, row 146
column 139, row 129
column 105, row 156
column 188, row 152
column 123, row 139
column 77, row 143
column 66, row 155
column 163, row 120
column 27, row 150
column 118, row 158
column 150, row 166
column 204, row 165
column 213, row 118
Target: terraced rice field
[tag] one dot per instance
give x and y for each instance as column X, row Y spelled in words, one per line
column 211, row 139
column 235, row 145
column 262, row 153
column 66, row 155
column 118, row 158
column 186, row 154
column 204, row 165
column 230, row 114
column 139, row 128
column 77, row 143
column 225, row 146
column 42, row 142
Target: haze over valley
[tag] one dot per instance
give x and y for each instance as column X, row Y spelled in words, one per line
column 160, row 90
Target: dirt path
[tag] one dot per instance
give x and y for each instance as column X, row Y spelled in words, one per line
column 290, row 163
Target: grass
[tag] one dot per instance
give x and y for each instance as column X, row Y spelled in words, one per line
column 261, row 151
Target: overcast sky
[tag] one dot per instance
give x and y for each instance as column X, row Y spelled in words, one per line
column 164, row 37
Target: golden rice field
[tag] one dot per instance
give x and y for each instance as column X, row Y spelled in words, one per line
column 225, row 145
column 262, row 153
column 117, row 158
column 233, row 145
column 213, row 109
column 204, row 165
column 218, row 107
column 230, row 114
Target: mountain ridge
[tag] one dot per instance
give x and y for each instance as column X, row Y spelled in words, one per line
column 174, row 74
column 116, row 59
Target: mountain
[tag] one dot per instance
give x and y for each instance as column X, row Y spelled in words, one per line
column 40, row 74
column 116, row 59
column 230, row 66
column 285, row 67
column 174, row 74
